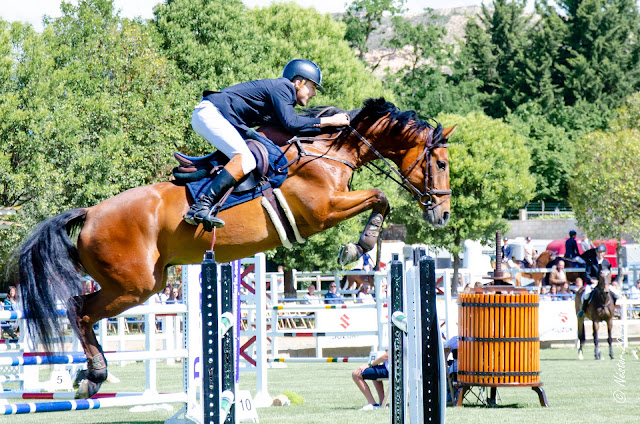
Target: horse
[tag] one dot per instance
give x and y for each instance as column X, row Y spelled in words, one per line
column 127, row 242
column 600, row 308
column 541, row 262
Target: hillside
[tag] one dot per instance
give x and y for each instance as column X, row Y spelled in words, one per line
column 453, row 19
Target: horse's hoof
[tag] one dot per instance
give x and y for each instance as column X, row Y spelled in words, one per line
column 80, row 375
column 87, row 388
column 348, row 253
column 580, row 356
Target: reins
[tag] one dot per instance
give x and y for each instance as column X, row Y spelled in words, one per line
column 425, row 198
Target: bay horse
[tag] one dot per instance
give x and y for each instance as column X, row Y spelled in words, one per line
column 600, row 308
column 127, row 242
column 541, row 262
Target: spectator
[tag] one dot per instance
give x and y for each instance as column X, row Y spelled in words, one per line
column 310, row 297
column 558, row 275
column 565, row 292
column 452, row 347
column 530, row 254
column 544, row 293
column 375, row 370
column 571, row 248
column 384, row 288
column 478, row 285
column 634, row 292
column 367, row 262
column 165, row 295
column 507, row 250
column 176, row 293
column 364, row 294
column 553, row 293
column 585, row 243
column 332, row 296
column 577, row 285
column 11, row 301
column 11, row 304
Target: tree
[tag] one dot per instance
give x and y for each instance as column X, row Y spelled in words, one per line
column 497, row 46
column 489, row 174
column 600, row 59
column 363, row 16
column 605, row 186
column 89, row 108
column 552, row 151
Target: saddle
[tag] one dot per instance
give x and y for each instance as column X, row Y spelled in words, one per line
column 194, row 168
column 198, row 172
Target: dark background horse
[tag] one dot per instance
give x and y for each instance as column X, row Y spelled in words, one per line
column 600, row 308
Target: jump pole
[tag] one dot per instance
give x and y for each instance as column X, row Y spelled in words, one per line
column 416, row 350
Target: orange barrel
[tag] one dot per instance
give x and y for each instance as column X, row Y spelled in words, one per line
column 498, row 338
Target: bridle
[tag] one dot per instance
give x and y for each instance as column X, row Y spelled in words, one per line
column 425, row 198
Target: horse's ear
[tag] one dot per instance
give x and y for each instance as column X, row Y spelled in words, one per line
column 446, row 133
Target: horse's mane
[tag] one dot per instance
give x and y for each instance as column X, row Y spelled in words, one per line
column 377, row 108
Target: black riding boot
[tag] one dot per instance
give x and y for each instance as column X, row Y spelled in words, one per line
column 201, row 210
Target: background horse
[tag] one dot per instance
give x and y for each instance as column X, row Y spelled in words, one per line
column 127, row 242
column 541, row 262
column 600, row 308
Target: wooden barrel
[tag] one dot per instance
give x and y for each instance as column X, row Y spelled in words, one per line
column 498, row 339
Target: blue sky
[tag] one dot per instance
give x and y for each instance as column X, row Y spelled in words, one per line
column 32, row 10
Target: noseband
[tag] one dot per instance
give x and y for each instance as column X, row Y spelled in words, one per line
column 426, row 197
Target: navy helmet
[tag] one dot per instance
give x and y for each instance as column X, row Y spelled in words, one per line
column 305, row 69
column 601, row 248
column 572, row 233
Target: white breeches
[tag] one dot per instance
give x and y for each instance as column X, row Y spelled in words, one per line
column 209, row 123
column 587, row 290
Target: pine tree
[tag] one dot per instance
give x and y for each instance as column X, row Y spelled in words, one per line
column 497, row 46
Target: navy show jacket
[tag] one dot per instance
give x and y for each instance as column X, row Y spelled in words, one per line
column 253, row 103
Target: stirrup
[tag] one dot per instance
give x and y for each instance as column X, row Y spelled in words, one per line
column 212, row 221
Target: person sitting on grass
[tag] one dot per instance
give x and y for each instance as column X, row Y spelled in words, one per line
column 375, row 370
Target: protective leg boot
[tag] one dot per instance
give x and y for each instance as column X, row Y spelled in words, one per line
column 201, row 210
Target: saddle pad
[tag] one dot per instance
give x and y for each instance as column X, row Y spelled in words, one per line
column 277, row 160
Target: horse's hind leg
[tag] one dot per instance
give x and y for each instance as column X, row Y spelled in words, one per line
column 89, row 310
column 82, row 315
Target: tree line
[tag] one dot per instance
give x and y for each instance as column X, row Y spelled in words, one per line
column 96, row 103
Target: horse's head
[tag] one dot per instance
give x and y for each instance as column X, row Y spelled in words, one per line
column 604, row 280
column 418, row 149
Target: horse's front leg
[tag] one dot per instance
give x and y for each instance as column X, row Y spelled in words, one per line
column 581, row 337
column 609, row 338
column 596, row 341
column 349, row 204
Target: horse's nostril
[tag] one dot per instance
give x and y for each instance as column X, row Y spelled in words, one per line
column 445, row 216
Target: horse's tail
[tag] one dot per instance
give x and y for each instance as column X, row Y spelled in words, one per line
column 48, row 275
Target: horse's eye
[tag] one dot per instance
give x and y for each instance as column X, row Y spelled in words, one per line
column 441, row 164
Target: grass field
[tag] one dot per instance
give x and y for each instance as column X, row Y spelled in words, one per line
column 578, row 392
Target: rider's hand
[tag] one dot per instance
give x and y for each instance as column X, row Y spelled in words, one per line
column 338, row 120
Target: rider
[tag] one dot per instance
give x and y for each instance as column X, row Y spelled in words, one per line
column 530, row 254
column 571, row 248
column 595, row 263
column 223, row 118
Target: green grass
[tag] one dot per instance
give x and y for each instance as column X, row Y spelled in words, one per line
column 577, row 391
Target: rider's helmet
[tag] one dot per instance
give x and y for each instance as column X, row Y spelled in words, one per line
column 305, row 69
column 572, row 233
column 601, row 248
